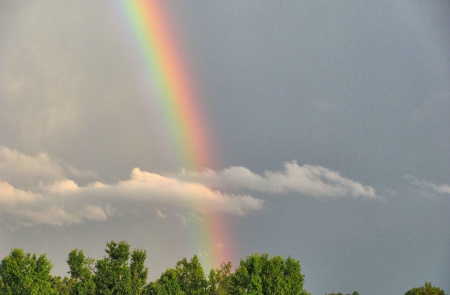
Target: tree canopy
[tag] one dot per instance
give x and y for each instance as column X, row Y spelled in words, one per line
column 427, row 289
column 25, row 273
column 259, row 274
column 123, row 272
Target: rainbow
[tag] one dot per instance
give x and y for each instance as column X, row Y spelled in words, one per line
column 169, row 79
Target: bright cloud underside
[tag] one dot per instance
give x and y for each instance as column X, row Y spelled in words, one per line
column 38, row 190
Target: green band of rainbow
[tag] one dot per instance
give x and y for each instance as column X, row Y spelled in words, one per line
column 171, row 87
column 170, row 81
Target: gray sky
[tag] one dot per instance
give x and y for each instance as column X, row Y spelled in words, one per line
column 329, row 122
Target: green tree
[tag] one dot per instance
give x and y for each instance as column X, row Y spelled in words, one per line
column 212, row 286
column 80, row 270
column 259, row 275
column 61, row 286
column 4, row 289
column 219, row 280
column 187, row 278
column 167, row 284
column 191, row 276
column 113, row 275
column 247, row 277
column 23, row 273
column 138, row 270
column 293, row 279
column 427, row 289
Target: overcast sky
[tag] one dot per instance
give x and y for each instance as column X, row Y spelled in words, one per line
column 329, row 122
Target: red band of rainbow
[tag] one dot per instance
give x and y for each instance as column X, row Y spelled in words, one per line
column 176, row 97
column 170, row 81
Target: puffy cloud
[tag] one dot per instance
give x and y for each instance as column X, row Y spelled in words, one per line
column 37, row 190
column 309, row 180
column 64, row 202
column 44, row 206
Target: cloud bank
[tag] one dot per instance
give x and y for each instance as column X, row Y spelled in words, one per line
column 309, row 180
column 64, row 202
column 37, row 190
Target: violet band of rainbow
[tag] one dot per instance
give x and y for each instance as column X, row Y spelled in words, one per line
column 169, row 79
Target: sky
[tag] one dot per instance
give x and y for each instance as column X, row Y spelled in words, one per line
column 327, row 126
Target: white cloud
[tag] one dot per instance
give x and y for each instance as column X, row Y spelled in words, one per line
column 309, row 180
column 41, row 207
column 64, row 202
column 37, row 190
column 427, row 189
column 24, row 171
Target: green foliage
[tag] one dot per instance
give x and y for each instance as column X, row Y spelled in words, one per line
column 25, row 274
column 113, row 275
column 427, row 289
column 138, row 271
column 247, row 278
column 260, row 275
column 187, row 278
column 60, row 286
column 167, row 284
column 81, row 280
column 219, row 280
column 4, row 289
column 191, row 276
column 123, row 273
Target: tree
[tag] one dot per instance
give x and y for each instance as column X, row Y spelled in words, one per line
column 258, row 274
column 191, row 276
column 3, row 288
column 113, row 275
column 138, row 270
column 213, row 282
column 23, row 273
column 219, row 280
column 293, row 279
column 123, row 273
column 60, row 286
column 167, row 284
column 247, row 277
column 427, row 289
column 187, row 278
column 81, row 280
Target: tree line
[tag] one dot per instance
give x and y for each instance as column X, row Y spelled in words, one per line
column 123, row 272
